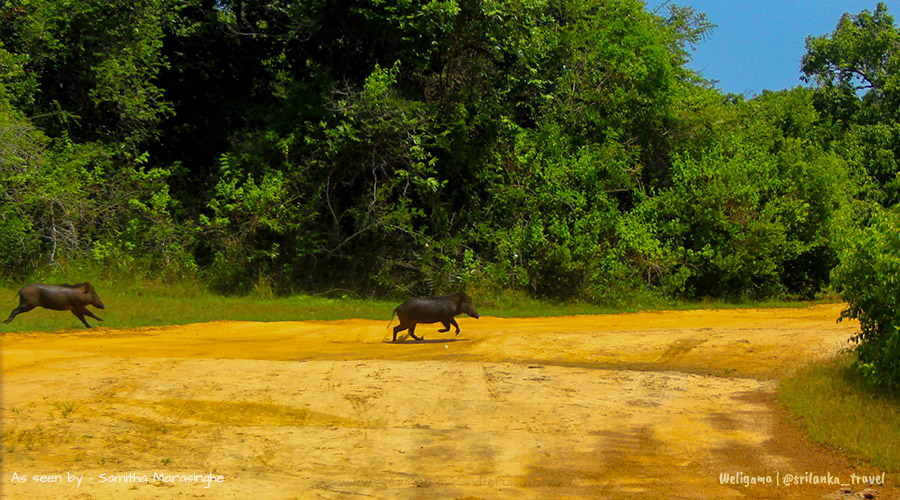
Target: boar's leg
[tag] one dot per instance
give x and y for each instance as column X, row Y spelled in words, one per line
column 454, row 323
column 446, row 326
column 80, row 314
column 89, row 313
column 412, row 331
column 399, row 328
column 19, row 310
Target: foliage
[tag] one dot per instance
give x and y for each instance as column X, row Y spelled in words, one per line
column 868, row 278
column 750, row 211
column 857, row 75
column 107, row 54
column 855, row 71
column 560, row 149
column 76, row 181
column 563, row 241
column 20, row 146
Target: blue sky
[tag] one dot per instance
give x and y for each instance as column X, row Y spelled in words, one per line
column 757, row 45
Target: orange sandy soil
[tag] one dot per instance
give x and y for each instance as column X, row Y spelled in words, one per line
column 646, row 405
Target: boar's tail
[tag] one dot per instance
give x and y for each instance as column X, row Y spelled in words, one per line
column 392, row 318
column 384, row 339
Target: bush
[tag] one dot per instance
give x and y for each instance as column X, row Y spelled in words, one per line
column 868, row 278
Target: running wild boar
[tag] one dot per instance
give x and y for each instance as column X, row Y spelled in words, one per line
column 73, row 298
column 433, row 310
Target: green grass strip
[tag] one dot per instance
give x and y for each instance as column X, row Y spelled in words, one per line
column 839, row 409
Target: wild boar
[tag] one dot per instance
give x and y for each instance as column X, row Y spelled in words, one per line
column 433, row 310
column 73, row 298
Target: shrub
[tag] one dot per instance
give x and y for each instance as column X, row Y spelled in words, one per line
column 868, row 278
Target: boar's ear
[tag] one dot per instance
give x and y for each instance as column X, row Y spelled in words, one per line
column 88, row 288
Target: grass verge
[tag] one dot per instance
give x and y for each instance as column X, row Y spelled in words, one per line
column 838, row 408
column 149, row 304
column 141, row 303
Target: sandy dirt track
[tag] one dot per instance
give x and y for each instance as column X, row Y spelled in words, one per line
column 663, row 405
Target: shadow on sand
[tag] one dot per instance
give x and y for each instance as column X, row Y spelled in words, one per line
column 425, row 341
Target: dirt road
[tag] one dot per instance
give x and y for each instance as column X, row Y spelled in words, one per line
column 668, row 405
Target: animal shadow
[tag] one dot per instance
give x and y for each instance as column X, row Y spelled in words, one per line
column 426, row 341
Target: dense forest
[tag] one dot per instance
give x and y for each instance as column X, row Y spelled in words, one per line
column 560, row 148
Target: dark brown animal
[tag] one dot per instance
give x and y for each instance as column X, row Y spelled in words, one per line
column 73, row 298
column 433, row 310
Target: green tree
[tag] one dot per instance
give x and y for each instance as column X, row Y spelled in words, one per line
column 78, row 94
column 751, row 210
column 21, row 148
column 96, row 62
column 856, row 73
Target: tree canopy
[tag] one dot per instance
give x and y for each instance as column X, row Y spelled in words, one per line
column 558, row 147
